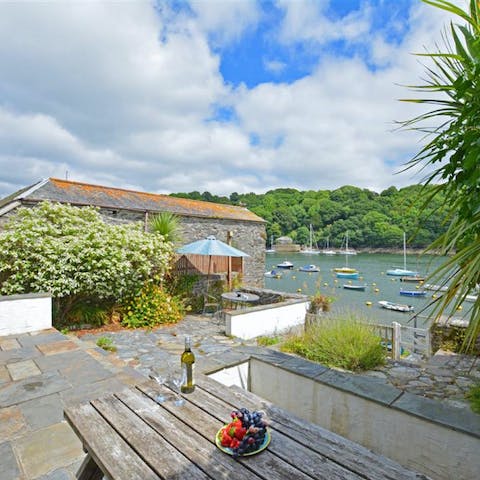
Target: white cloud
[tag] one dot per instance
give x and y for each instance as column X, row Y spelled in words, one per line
column 274, row 66
column 119, row 94
column 226, row 21
column 305, row 20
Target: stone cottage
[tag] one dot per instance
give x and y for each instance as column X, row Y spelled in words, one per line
column 231, row 224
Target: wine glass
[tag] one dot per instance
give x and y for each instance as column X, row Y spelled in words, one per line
column 177, row 378
column 160, row 378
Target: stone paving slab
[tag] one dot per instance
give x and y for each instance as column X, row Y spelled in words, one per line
column 60, row 474
column 54, row 363
column 41, row 337
column 9, row 344
column 18, row 354
column 85, row 371
column 4, row 375
column 12, row 423
column 30, row 388
column 57, row 347
column 24, row 369
column 9, row 466
column 42, row 412
column 48, row 449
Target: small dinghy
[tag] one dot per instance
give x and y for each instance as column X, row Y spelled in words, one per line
column 397, row 307
column 359, row 288
column 413, row 293
column 309, row 268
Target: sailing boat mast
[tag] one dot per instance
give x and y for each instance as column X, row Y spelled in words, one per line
column 404, row 252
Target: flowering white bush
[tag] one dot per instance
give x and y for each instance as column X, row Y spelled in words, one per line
column 71, row 252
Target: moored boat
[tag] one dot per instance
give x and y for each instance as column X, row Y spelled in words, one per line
column 285, row 264
column 310, row 250
column 327, row 250
column 359, row 288
column 309, row 268
column 273, row 274
column 353, row 275
column 413, row 293
column 345, row 270
column 396, row 307
column 401, row 272
column 412, row 279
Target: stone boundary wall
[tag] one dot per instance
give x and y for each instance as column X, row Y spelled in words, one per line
column 422, row 434
column 25, row 313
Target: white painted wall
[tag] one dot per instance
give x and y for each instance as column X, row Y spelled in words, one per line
column 25, row 313
column 237, row 375
column 253, row 322
column 424, row 446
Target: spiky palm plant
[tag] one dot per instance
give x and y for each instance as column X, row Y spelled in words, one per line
column 452, row 156
column 167, row 224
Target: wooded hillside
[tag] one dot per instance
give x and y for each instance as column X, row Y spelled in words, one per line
column 373, row 220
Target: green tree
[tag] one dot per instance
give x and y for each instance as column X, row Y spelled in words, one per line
column 73, row 254
column 452, row 155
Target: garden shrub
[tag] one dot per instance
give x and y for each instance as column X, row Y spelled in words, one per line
column 319, row 303
column 341, row 342
column 73, row 254
column 151, row 307
column 473, row 396
column 106, row 343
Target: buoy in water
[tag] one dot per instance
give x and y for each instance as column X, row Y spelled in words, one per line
column 376, row 290
column 325, row 284
column 459, row 307
column 368, row 304
column 434, row 296
column 299, row 289
column 336, row 281
column 294, row 277
column 374, row 284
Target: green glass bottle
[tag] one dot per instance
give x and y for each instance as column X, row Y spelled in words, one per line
column 188, row 364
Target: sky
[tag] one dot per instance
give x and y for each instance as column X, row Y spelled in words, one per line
column 211, row 95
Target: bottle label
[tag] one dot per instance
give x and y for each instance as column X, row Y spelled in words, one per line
column 188, row 374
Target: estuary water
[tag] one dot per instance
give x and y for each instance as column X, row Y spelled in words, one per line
column 372, row 268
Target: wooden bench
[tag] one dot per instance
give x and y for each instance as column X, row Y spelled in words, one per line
column 129, row 436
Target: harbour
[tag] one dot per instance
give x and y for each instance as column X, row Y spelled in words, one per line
column 372, row 268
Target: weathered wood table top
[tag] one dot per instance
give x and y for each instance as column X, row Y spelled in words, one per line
column 129, row 436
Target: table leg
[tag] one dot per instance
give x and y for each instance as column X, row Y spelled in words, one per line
column 89, row 470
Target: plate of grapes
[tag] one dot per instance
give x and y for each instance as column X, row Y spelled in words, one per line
column 246, row 434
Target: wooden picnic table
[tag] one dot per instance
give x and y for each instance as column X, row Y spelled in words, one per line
column 129, row 436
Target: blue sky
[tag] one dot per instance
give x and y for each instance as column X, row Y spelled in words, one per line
column 210, row 95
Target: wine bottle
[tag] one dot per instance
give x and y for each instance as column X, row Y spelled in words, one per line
column 188, row 364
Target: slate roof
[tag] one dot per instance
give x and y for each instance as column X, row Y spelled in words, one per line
column 77, row 193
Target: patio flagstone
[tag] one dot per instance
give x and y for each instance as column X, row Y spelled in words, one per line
column 12, row 423
column 21, row 370
column 29, row 388
column 57, row 347
column 8, row 461
column 9, row 344
column 48, row 449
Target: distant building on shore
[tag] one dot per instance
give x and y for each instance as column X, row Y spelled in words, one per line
column 285, row 244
